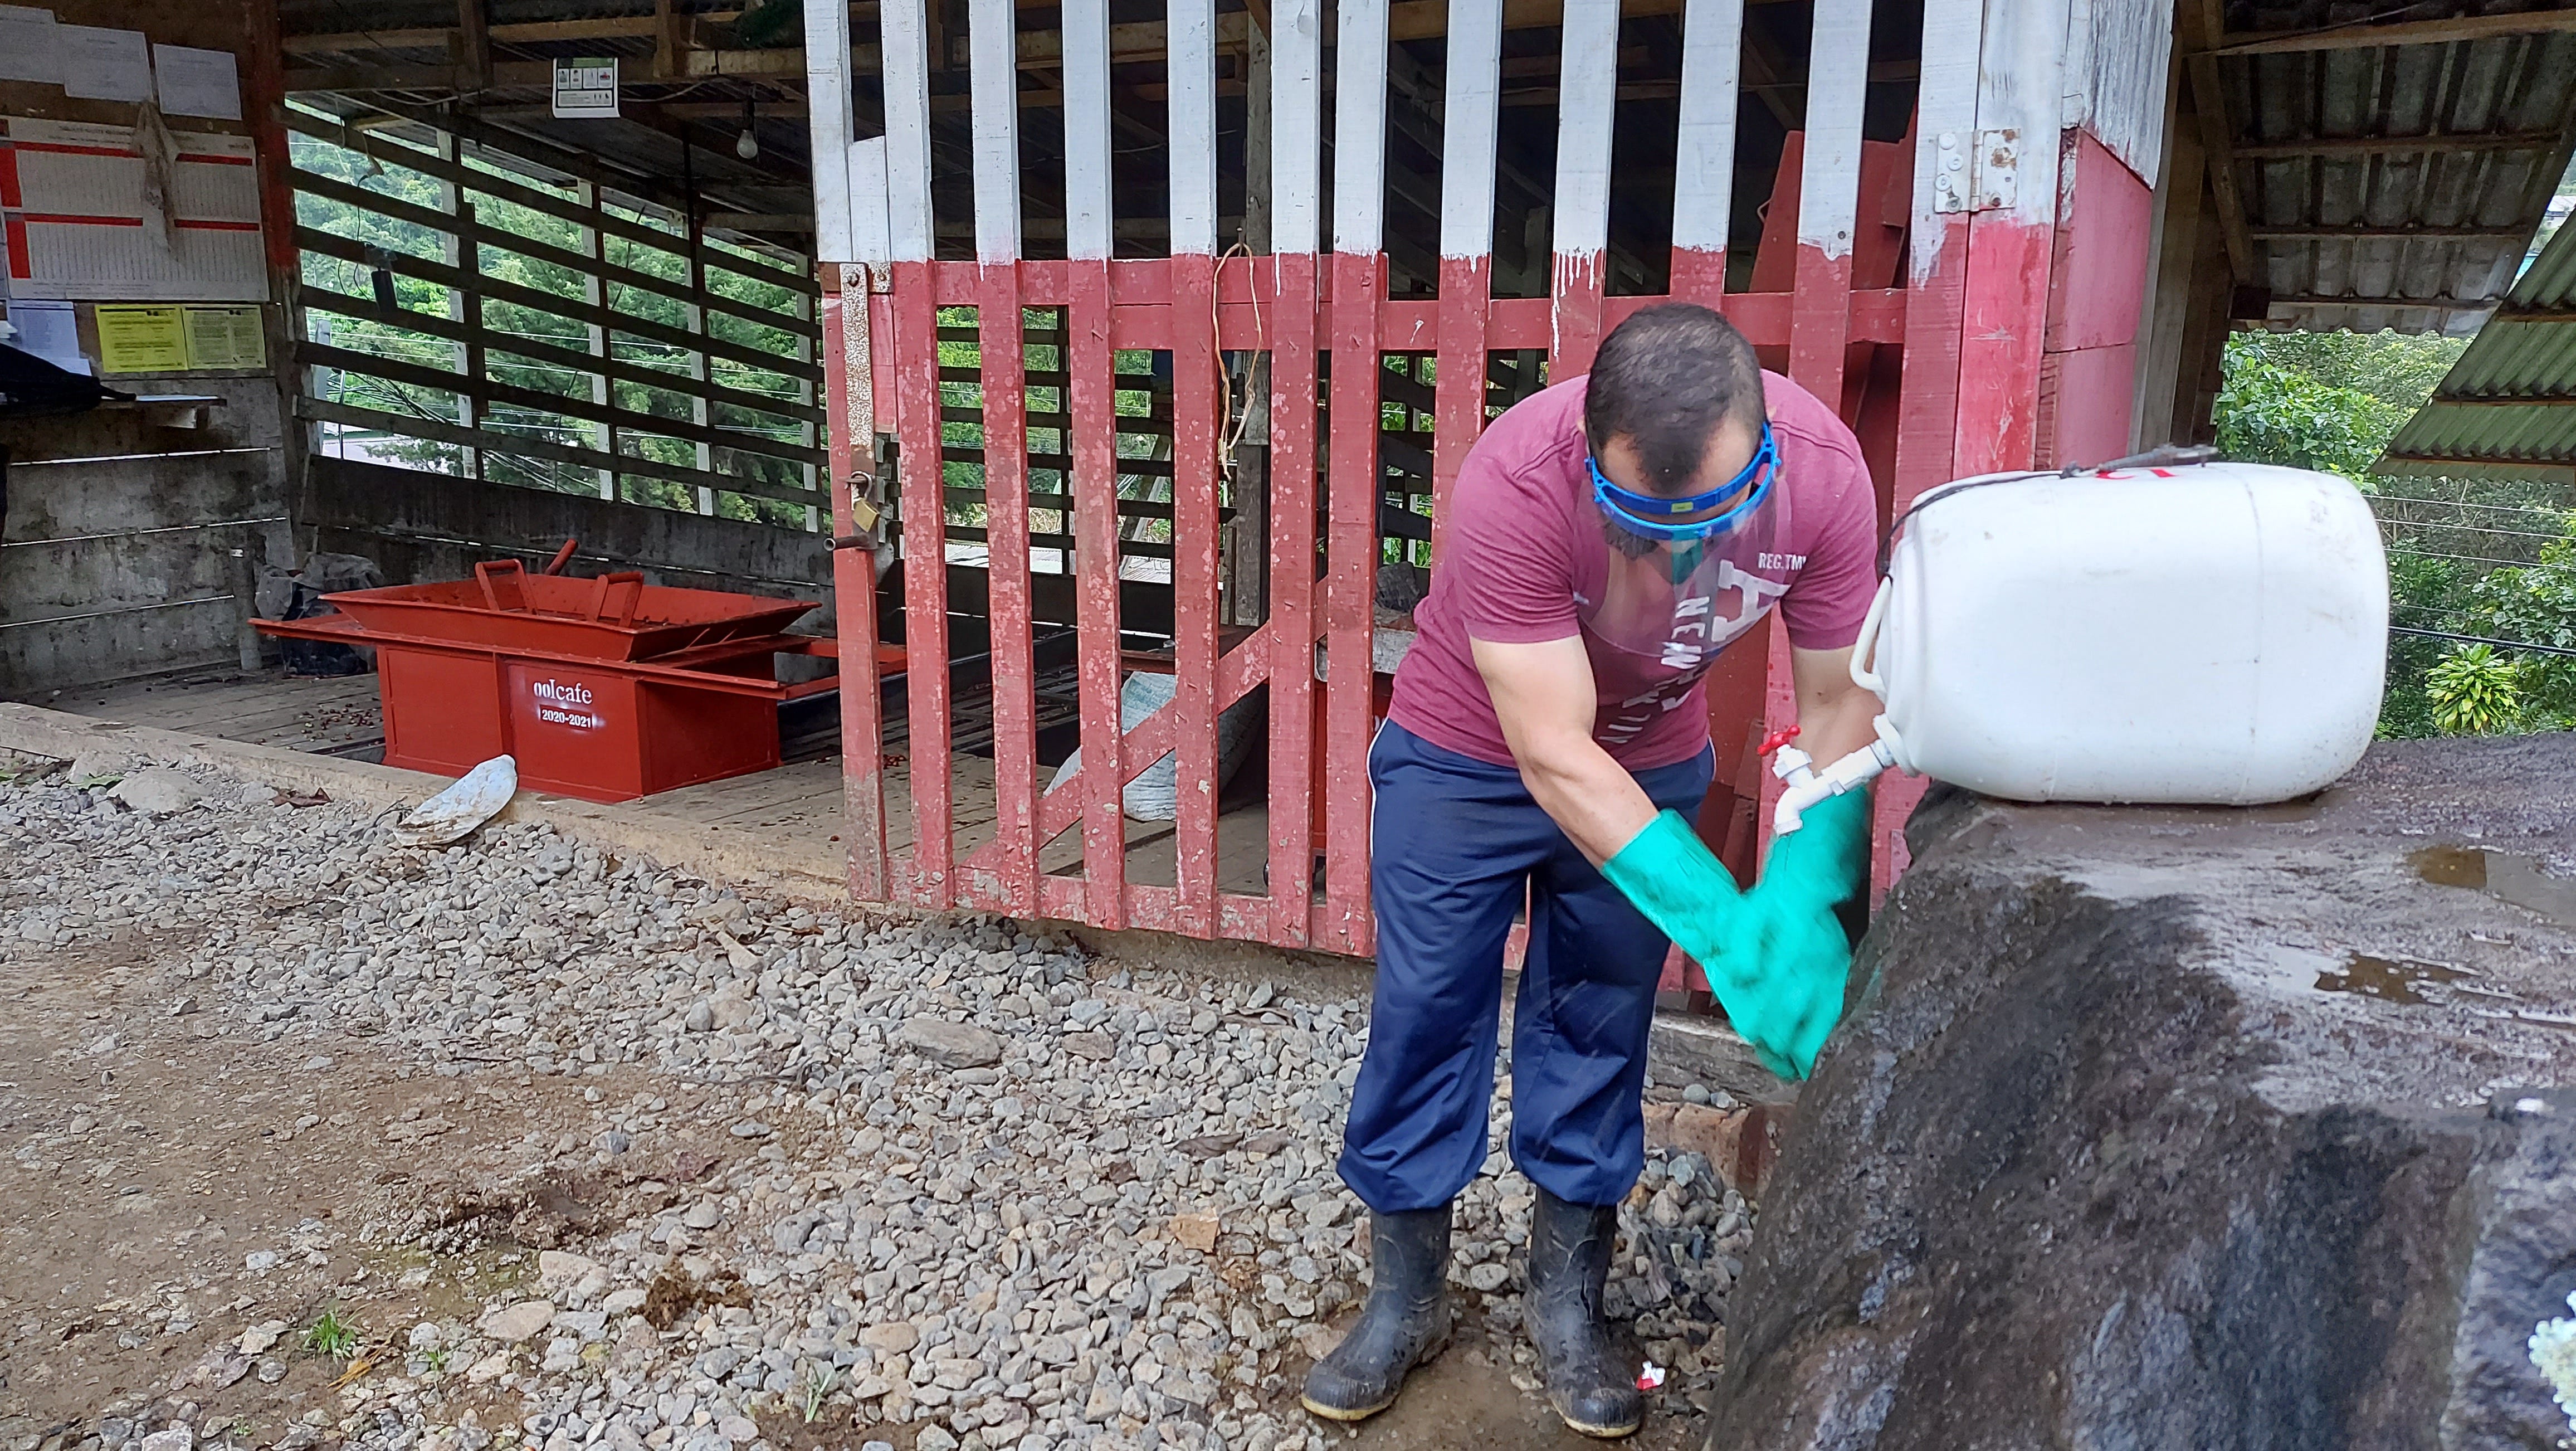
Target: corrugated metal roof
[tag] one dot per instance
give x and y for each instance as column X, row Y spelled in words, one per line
column 2439, row 228
column 2507, row 409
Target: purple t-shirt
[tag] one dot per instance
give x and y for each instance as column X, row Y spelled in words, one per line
column 1529, row 558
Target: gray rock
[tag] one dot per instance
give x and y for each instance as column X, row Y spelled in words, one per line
column 514, row 1323
column 2240, row 1129
column 952, row 1045
column 158, row 792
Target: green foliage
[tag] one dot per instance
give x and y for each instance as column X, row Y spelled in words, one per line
column 2475, row 692
column 2273, row 414
column 2331, row 401
column 2534, row 603
column 522, row 250
column 332, row 1335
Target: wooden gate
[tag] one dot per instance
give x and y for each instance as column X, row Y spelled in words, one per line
column 1952, row 256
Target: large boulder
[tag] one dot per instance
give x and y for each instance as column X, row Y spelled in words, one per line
column 2176, row 1130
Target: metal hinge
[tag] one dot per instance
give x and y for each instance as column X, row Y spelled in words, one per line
column 1982, row 174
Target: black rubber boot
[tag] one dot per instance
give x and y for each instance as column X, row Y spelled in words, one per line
column 1589, row 1381
column 1404, row 1324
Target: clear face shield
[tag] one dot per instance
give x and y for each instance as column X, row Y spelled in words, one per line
column 1682, row 581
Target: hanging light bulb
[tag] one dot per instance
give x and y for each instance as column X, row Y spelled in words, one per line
column 747, row 146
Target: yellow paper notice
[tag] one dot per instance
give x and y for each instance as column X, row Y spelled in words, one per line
column 225, row 337
column 142, row 340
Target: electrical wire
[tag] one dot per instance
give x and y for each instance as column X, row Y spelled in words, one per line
column 2481, row 640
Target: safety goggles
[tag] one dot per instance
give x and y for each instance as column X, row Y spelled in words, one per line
column 1700, row 516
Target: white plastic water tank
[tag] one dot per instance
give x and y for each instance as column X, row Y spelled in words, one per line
column 2212, row 633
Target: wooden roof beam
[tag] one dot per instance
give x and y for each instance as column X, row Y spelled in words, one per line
column 2441, row 31
column 2201, row 22
column 2366, row 232
column 2329, row 147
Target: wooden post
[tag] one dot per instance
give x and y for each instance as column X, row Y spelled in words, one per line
column 1467, row 180
column 1352, row 480
column 994, row 76
column 1704, row 156
column 1587, row 102
column 1198, row 412
column 1296, row 161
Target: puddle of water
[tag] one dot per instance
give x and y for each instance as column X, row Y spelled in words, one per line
column 2507, row 878
column 2394, row 979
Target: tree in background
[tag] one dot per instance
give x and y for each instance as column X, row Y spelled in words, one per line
column 2474, row 557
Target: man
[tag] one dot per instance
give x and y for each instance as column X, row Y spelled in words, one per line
column 1547, row 736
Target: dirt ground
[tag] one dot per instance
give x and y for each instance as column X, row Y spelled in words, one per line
column 182, row 1204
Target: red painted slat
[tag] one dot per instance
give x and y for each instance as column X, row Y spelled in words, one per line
column 1820, row 323
column 854, row 594
column 1700, row 276
column 1458, row 393
column 1350, row 590
column 1576, row 319
column 1198, row 413
column 1095, row 530
column 1292, row 595
column 925, row 581
column 1006, row 520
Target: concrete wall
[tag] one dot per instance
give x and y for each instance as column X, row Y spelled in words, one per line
column 422, row 526
column 127, row 548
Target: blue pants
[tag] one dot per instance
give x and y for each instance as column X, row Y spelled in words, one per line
column 1453, row 844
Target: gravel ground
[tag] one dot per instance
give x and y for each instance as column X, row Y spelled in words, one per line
column 588, row 1152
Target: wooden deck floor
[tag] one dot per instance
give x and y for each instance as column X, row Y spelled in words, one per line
column 798, row 806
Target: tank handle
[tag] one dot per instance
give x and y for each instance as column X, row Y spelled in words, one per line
column 1865, row 645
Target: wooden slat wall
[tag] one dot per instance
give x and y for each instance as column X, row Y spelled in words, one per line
column 1317, row 313
column 773, row 459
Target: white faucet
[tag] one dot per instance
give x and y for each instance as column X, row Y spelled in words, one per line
column 1807, row 786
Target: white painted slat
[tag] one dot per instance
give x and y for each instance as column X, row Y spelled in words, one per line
column 1837, row 93
column 1475, row 91
column 1704, row 163
column 1945, row 120
column 1359, row 128
column 993, row 81
column 828, row 123
column 1587, row 91
column 1296, row 126
column 1086, row 129
column 2020, row 87
column 871, row 231
column 906, row 54
column 1192, row 51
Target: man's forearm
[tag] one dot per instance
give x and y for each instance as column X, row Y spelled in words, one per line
column 1591, row 797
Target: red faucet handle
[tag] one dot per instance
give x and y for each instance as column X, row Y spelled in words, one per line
column 1777, row 739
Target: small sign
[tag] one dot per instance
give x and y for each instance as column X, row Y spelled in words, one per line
column 585, row 86
column 141, row 340
column 225, row 337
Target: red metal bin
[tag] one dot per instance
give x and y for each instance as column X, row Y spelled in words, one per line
column 463, row 679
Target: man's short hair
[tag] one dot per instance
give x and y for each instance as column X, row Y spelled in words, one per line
column 1664, row 380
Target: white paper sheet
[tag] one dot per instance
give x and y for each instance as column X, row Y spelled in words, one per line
column 27, row 46
column 197, row 82
column 51, row 331
column 105, row 65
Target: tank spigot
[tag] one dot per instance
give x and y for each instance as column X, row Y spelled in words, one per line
column 1808, row 786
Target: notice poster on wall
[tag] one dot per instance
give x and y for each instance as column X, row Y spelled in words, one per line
column 104, row 65
column 28, row 50
column 142, row 340
column 197, row 82
column 225, row 337
column 585, row 86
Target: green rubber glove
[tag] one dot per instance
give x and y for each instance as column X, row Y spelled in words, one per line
column 1775, row 957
